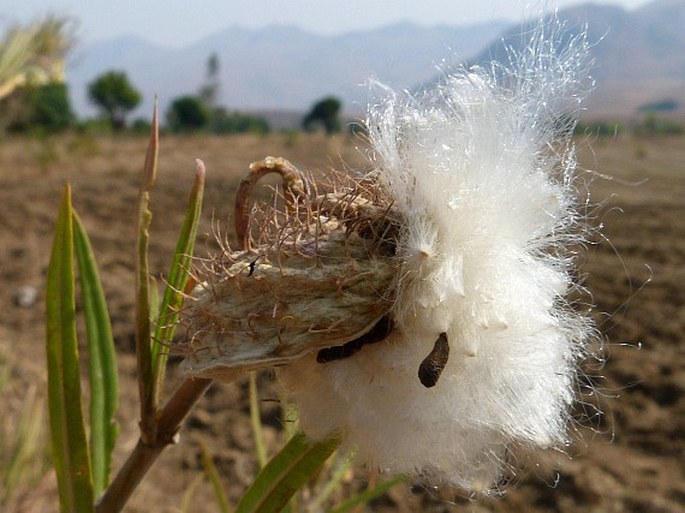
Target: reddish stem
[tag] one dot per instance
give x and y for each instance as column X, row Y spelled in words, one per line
column 146, row 453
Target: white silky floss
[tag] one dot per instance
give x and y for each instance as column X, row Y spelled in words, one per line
column 481, row 169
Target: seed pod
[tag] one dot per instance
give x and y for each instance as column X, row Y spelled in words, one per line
column 319, row 273
column 466, row 230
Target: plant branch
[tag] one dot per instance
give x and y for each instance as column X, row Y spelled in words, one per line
column 146, row 453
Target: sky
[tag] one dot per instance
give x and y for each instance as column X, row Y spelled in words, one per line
column 181, row 22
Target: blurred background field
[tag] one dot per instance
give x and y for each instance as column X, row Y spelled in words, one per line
column 629, row 459
column 77, row 111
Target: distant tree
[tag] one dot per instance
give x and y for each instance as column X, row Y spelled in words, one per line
column 141, row 126
column 115, row 96
column 653, row 125
column 324, row 113
column 49, row 107
column 210, row 89
column 225, row 122
column 668, row 105
column 188, row 114
column 43, row 108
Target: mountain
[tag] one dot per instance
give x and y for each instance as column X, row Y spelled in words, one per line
column 278, row 67
column 639, row 55
column 639, row 61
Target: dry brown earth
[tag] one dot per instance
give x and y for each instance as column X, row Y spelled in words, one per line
column 631, row 459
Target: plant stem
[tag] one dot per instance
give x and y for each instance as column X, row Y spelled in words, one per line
column 145, row 453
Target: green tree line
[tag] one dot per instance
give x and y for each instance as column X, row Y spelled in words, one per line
column 33, row 102
column 34, row 97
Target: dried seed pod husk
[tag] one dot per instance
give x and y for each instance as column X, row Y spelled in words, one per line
column 317, row 272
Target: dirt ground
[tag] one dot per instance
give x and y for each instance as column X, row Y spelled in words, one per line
column 630, row 459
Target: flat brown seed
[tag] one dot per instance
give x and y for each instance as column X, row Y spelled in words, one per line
column 432, row 366
column 380, row 331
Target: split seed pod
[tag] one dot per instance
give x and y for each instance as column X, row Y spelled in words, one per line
column 317, row 275
column 421, row 311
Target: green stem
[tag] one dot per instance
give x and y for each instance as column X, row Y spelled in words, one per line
column 148, row 409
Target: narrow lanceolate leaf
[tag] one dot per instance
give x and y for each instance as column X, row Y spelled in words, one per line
column 178, row 278
column 143, row 349
column 333, row 482
column 101, row 359
column 213, row 476
column 256, row 421
column 367, row 495
column 25, row 447
column 286, row 473
column 69, row 444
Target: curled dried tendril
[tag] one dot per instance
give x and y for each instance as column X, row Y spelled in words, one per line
column 293, row 189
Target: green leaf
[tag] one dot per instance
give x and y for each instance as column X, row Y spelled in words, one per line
column 142, row 303
column 213, row 476
column 189, row 493
column 178, row 278
column 69, row 444
column 26, row 446
column 286, row 473
column 154, row 299
column 256, row 421
column 101, row 359
column 367, row 495
column 333, row 482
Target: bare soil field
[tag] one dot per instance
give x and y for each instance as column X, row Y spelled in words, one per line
column 630, row 459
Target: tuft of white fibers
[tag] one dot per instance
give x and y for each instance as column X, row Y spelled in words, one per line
column 481, row 170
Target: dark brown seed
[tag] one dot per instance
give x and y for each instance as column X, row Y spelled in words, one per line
column 380, row 331
column 432, row 366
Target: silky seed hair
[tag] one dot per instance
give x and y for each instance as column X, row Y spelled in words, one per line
column 482, row 171
column 421, row 312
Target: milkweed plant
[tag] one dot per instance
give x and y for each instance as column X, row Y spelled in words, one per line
column 419, row 315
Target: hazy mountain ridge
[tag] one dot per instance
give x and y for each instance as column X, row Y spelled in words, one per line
column 639, row 58
column 279, row 67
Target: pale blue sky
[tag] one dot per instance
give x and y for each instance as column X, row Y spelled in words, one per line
column 178, row 23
